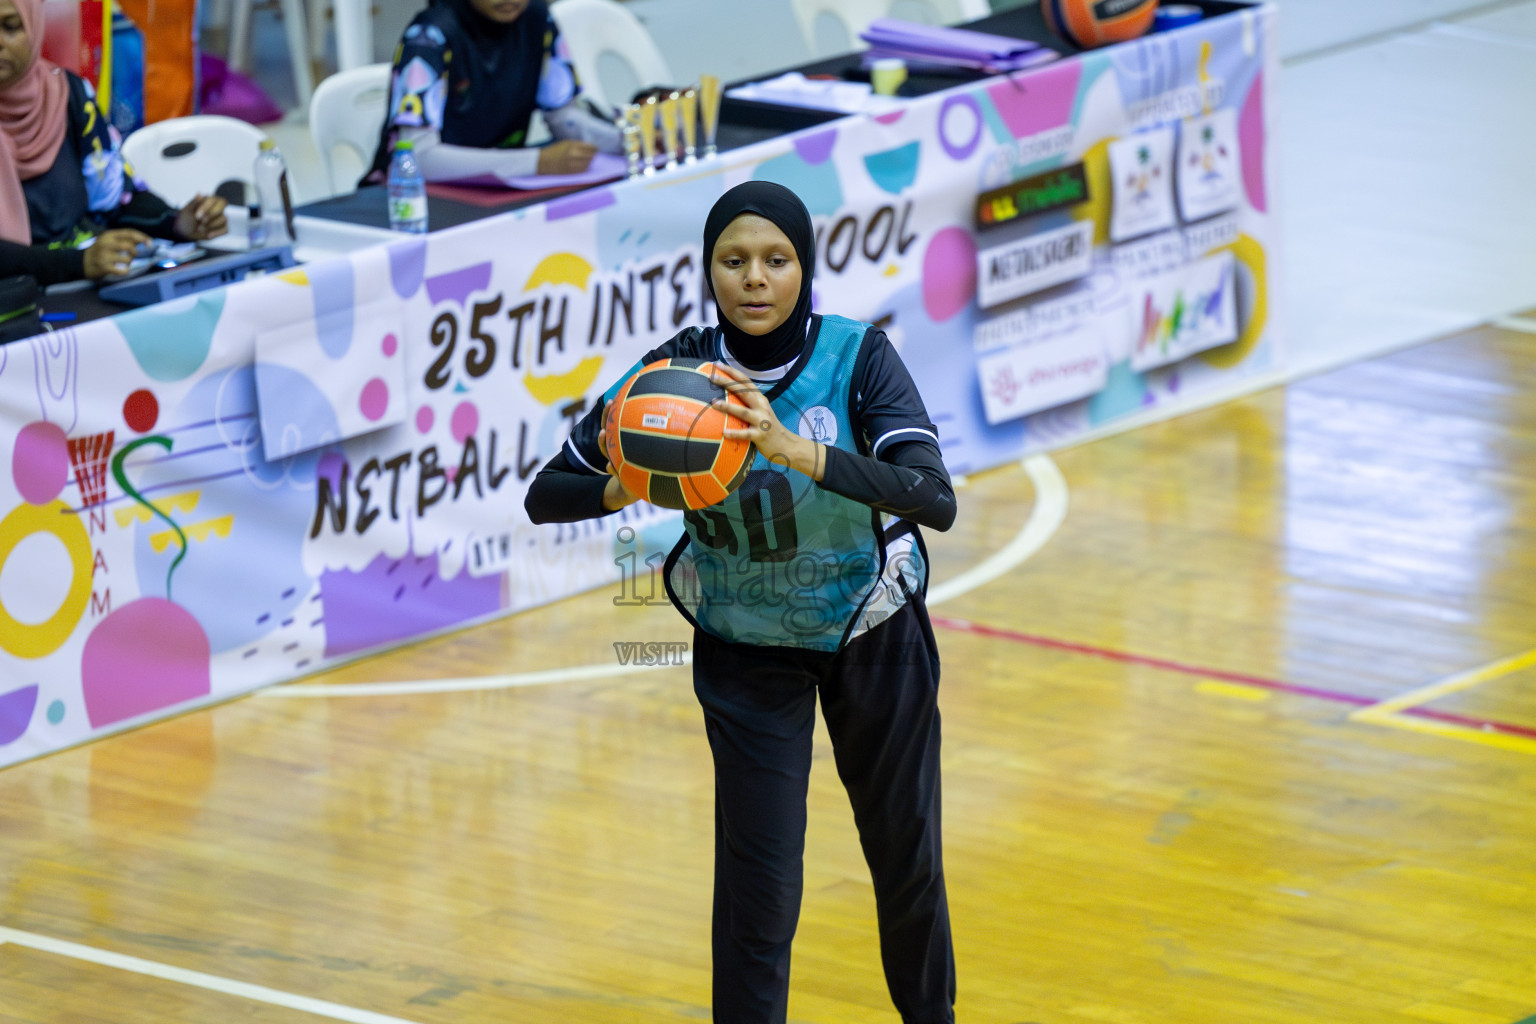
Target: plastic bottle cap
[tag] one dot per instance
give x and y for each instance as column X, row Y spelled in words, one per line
column 405, row 144
column 268, row 144
column 1170, row 16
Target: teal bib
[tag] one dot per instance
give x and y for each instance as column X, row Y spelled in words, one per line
column 783, row 562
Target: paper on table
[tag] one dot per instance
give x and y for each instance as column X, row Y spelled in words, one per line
column 604, row 167
column 795, row 90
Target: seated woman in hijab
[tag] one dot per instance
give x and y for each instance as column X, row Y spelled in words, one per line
column 70, row 206
column 468, row 76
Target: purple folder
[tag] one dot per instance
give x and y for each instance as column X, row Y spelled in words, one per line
column 956, row 46
column 922, row 62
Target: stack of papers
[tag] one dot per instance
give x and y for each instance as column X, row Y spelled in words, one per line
column 604, row 167
column 919, row 44
column 795, row 90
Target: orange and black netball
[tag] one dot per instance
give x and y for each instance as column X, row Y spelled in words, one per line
column 667, row 442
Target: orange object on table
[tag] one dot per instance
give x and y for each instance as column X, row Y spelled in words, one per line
column 170, row 54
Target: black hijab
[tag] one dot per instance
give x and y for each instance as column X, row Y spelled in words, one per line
column 504, row 66
column 781, row 206
column 502, row 63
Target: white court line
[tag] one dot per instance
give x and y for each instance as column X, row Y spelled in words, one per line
column 554, row 675
column 1047, row 514
column 1516, row 323
column 1045, row 517
column 259, row 993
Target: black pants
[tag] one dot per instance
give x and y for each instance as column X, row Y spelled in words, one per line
column 879, row 699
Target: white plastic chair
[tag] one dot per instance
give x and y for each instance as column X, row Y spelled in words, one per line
column 353, row 26
column 938, row 12
column 295, row 32
column 833, row 26
column 354, row 32
column 601, row 33
column 348, row 112
column 186, row 155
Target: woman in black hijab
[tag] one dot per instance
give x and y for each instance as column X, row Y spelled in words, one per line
column 808, row 581
column 467, row 77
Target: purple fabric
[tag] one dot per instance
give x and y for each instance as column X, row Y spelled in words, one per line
column 228, row 92
column 918, row 62
column 938, row 44
column 960, row 42
column 397, row 599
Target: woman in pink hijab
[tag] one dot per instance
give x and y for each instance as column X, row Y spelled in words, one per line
column 70, row 206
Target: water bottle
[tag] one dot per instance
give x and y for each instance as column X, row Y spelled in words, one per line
column 272, row 222
column 407, row 191
column 255, row 230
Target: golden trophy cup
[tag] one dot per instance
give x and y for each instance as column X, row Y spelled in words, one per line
column 709, row 110
column 688, row 107
column 630, row 127
column 648, row 134
column 669, row 128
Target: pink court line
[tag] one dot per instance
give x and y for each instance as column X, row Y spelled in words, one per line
column 1277, row 685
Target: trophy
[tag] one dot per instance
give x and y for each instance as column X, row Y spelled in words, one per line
column 669, row 128
column 709, row 109
column 648, row 134
column 630, row 127
column 689, row 108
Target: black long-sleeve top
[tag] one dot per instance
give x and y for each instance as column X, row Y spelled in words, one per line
column 47, row 264
column 898, row 469
column 89, row 188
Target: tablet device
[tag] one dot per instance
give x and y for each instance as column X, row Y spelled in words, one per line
column 161, row 255
column 198, row 274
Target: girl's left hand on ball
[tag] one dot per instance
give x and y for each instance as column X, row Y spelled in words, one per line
column 761, row 425
column 615, row 494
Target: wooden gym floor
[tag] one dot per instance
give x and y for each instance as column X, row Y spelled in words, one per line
column 1249, row 737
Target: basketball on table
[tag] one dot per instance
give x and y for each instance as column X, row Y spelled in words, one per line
column 667, row 443
column 1090, row 23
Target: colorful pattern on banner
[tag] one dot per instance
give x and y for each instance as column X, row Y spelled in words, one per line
column 224, row 491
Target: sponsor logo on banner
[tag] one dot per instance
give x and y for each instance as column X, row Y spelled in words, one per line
column 1185, row 311
column 1027, row 378
column 1035, row 321
column 1141, row 171
column 1208, row 164
column 1003, row 163
column 1041, row 193
column 1033, row 263
column 1154, row 254
column 1210, row 235
column 1175, row 104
